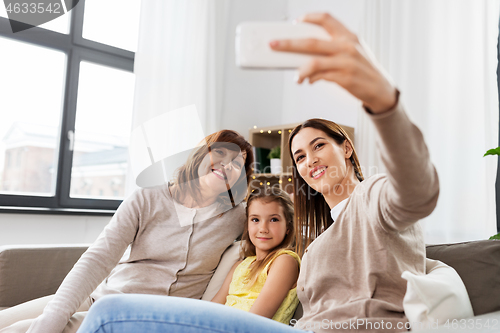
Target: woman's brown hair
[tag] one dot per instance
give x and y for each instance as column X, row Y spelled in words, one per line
column 267, row 195
column 187, row 179
column 312, row 213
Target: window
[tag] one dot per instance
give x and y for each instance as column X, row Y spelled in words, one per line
column 67, row 95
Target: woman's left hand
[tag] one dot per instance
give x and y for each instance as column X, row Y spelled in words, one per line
column 341, row 60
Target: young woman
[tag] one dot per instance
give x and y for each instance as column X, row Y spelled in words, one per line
column 265, row 282
column 357, row 235
column 177, row 234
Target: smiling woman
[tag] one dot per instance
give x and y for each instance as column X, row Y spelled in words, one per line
column 368, row 228
column 327, row 146
column 219, row 171
column 221, row 167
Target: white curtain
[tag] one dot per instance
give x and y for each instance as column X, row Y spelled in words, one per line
column 178, row 64
column 443, row 57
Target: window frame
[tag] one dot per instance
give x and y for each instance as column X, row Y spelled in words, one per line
column 77, row 49
column 497, row 182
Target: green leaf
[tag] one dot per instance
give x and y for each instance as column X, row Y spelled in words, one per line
column 275, row 152
column 497, row 236
column 495, row 151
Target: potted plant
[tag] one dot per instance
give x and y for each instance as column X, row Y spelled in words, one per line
column 275, row 158
column 494, row 151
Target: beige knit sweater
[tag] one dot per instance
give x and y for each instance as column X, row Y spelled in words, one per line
column 174, row 251
column 351, row 274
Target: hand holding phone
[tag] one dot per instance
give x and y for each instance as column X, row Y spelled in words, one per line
column 341, row 59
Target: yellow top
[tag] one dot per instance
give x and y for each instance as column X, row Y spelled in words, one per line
column 241, row 297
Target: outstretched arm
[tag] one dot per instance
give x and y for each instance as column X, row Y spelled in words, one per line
column 221, row 295
column 282, row 277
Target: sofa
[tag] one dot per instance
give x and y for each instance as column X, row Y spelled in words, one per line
column 478, row 265
column 32, row 271
column 28, row 272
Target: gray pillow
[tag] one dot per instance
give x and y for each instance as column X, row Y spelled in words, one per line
column 478, row 264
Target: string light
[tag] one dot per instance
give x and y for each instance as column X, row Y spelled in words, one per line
column 279, row 181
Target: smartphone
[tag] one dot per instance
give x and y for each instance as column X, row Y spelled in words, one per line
column 252, row 44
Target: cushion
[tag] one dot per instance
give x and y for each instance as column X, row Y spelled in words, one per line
column 478, row 264
column 436, row 296
column 229, row 258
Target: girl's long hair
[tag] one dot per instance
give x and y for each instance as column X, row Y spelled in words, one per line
column 267, row 195
column 187, row 179
column 312, row 213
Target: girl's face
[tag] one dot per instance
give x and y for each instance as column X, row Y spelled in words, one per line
column 215, row 164
column 266, row 226
column 320, row 161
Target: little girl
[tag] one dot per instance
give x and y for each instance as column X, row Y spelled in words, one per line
column 265, row 282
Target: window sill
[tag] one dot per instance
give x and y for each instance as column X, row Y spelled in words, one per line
column 56, row 211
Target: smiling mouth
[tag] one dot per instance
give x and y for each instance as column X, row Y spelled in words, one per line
column 318, row 172
column 263, row 238
column 219, row 174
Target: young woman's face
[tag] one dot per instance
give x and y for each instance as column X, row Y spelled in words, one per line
column 320, row 161
column 218, row 162
column 266, row 225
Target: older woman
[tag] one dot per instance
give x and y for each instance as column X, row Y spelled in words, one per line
column 176, row 232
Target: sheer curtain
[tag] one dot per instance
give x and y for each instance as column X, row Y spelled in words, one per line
column 178, row 66
column 442, row 55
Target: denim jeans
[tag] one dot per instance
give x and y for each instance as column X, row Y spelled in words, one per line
column 130, row 313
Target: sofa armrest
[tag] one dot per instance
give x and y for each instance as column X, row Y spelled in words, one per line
column 31, row 271
column 478, row 265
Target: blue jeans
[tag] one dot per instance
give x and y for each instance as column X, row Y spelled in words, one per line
column 129, row 313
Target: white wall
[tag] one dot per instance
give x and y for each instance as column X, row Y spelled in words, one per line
column 50, row 229
column 251, row 97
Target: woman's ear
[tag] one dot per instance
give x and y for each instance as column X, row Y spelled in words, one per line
column 348, row 149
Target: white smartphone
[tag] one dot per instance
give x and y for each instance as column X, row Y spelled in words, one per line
column 252, row 43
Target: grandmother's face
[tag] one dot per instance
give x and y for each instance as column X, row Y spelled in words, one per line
column 221, row 167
